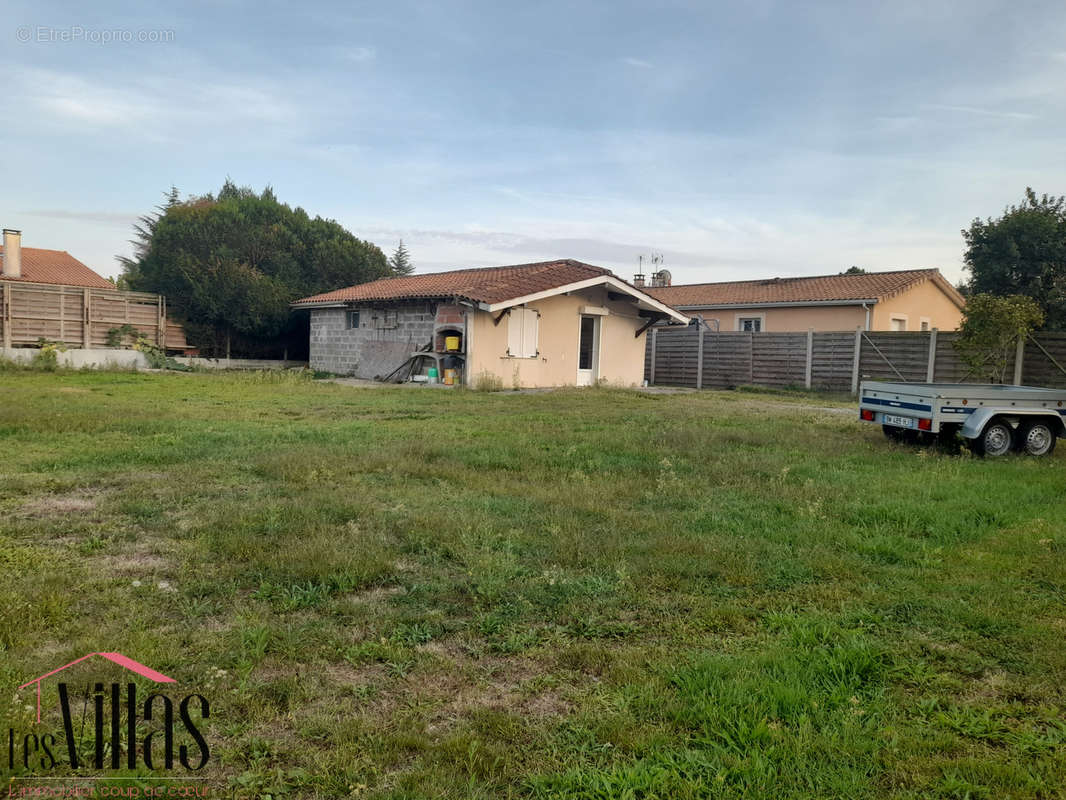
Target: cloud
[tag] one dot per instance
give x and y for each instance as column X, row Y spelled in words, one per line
column 120, row 219
column 982, row 112
column 638, row 62
column 360, row 54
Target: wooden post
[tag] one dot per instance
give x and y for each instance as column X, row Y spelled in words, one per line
column 5, row 288
column 751, row 358
column 654, row 347
column 699, row 359
column 161, row 323
column 930, row 367
column 810, row 359
column 1019, row 360
column 86, row 310
column 855, row 361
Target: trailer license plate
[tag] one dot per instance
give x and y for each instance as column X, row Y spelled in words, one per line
column 899, row 422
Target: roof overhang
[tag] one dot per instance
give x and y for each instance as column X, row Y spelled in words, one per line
column 644, row 302
column 806, row 303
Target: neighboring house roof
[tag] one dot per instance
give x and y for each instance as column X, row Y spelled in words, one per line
column 56, row 266
column 871, row 287
column 492, row 288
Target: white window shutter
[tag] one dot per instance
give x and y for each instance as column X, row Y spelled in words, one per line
column 529, row 334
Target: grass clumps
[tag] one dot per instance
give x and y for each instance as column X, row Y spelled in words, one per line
column 578, row 594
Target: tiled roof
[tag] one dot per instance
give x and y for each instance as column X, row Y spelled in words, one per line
column 823, row 288
column 486, row 285
column 56, row 266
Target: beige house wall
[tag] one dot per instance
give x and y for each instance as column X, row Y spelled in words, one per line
column 924, row 301
column 621, row 353
column 796, row 318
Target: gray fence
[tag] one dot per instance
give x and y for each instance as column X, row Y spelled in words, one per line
column 833, row 361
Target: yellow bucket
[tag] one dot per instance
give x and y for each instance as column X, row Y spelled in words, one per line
column 451, row 343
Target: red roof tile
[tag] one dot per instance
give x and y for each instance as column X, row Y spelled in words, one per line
column 56, row 266
column 822, row 288
column 485, row 285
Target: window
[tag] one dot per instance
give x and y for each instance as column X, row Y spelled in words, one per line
column 898, row 324
column 749, row 324
column 352, row 319
column 925, row 324
column 522, row 326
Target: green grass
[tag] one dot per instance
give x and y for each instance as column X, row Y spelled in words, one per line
column 398, row 593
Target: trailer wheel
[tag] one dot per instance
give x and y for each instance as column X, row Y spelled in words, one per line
column 1036, row 438
column 996, row 439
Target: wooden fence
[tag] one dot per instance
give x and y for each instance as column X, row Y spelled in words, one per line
column 833, row 361
column 82, row 317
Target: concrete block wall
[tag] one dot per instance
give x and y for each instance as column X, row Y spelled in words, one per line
column 370, row 350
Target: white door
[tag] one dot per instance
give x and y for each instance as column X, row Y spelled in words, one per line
column 588, row 351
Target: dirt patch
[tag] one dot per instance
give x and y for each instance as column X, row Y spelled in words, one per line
column 54, row 505
column 468, row 683
column 135, row 563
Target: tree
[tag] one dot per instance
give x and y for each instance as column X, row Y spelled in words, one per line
column 400, row 261
column 230, row 264
column 1023, row 253
column 853, row 270
column 990, row 330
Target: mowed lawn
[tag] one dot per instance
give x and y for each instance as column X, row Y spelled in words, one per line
column 402, row 593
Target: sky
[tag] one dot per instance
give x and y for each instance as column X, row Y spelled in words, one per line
column 737, row 140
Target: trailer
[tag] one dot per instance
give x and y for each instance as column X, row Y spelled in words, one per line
column 993, row 420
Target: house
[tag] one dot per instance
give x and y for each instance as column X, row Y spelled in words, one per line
column 906, row 300
column 553, row 323
column 49, row 294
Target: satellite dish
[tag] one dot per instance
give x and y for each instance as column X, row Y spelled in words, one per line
column 664, row 277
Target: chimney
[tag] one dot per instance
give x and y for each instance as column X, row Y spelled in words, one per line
column 12, row 253
column 638, row 280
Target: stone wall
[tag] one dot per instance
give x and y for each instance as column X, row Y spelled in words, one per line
column 382, row 342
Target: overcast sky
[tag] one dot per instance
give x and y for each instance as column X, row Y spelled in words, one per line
column 741, row 140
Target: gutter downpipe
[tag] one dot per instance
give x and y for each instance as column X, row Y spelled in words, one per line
column 867, row 309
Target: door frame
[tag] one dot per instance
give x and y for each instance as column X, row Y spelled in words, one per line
column 587, row 377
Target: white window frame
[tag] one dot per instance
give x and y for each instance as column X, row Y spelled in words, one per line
column 892, row 318
column 738, row 322
column 925, row 324
column 523, row 332
column 348, row 319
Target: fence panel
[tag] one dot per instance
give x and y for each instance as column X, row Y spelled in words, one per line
column 33, row 311
column 780, row 359
column 727, row 360
column 831, row 361
column 676, row 356
column 1038, row 369
column 885, row 352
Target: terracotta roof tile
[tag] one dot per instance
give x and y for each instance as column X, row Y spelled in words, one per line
column 485, row 285
column 56, row 266
column 871, row 286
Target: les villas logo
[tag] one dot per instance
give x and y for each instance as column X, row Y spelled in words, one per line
column 130, row 731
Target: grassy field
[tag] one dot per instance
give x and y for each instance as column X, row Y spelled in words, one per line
column 397, row 593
